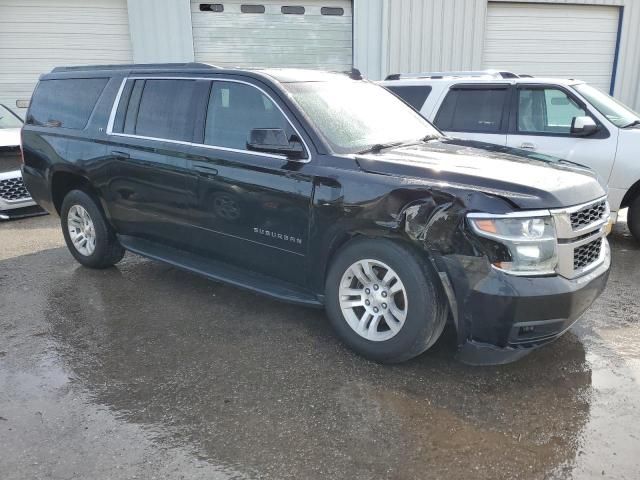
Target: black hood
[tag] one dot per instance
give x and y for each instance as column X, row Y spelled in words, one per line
column 528, row 180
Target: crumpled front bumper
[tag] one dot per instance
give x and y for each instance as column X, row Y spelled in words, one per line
column 503, row 317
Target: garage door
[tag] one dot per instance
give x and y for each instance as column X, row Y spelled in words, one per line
column 37, row 35
column 304, row 34
column 571, row 41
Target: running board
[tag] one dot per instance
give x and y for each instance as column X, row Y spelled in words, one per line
column 220, row 271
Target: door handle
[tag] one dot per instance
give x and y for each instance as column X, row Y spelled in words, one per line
column 206, row 170
column 120, row 154
column 528, row 146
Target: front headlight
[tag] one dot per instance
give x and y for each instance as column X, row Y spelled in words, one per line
column 530, row 244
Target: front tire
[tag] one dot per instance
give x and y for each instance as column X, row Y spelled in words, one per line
column 89, row 237
column 633, row 218
column 384, row 300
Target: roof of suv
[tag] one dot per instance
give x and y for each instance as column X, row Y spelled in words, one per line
column 281, row 75
column 485, row 76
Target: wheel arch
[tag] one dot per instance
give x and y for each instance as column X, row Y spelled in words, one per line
column 632, row 193
column 443, row 278
column 426, row 226
column 65, row 180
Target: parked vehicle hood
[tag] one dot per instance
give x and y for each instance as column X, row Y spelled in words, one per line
column 9, row 137
column 528, row 180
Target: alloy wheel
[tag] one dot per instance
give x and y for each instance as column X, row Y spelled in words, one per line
column 373, row 300
column 81, row 230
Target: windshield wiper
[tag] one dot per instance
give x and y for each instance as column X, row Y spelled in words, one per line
column 632, row 124
column 428, row 138
column 378, row 147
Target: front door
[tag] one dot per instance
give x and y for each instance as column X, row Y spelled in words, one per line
column 541, row 123
column 252, row 209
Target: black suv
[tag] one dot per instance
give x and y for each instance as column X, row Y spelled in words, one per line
column 324, row 190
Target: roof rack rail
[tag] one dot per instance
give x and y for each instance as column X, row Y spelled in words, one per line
column 465, row 73
column 136, row 66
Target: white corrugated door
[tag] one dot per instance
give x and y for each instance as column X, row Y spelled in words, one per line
column 37, row 35
column 554, row 40
column 272, row 33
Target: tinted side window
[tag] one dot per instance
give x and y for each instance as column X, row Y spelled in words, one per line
column 234, row 110
column 414, row 95
column 546, row 110
column 65, row 103
column 472, row 110
column 166, row 109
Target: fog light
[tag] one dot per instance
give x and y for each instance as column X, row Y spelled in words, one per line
column 526, row 330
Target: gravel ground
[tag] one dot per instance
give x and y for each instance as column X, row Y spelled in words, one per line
column 145, row 371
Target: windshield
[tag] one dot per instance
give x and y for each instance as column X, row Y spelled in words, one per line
column 354, row 115
column 617, row 113
column 8, row 119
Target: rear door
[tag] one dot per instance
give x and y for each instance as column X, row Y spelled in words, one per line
column 541, row 122
column 476, row 112
column 151, row 191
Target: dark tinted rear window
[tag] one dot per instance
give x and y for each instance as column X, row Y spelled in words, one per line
column 472, row 110
column 65, row 103
column 414, row 95
column 167, row 109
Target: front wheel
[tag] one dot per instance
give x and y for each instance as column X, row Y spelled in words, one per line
column 88, row 236
column 633, row 218
column 384, row 300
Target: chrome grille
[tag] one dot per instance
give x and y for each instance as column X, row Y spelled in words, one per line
column 581, row 231
column 587, row 254
column 12, row 189
column 588, row 215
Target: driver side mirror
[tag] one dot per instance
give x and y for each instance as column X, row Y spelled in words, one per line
column 274, row 140
column 583, row 126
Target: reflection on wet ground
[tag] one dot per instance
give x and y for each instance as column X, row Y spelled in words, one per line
column 146, row 371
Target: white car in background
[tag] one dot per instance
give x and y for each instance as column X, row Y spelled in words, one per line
column 568, row 119
column 15, row 200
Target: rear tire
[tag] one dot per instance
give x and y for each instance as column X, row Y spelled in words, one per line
column 89, row 237
column 406, row 310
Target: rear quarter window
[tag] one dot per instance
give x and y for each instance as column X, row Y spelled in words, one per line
column 414, row 95
column 472, row 110
column 65, row 103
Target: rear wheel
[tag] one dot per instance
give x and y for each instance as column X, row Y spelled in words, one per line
column 89, row 237
column 633, row 218
column 384, row 300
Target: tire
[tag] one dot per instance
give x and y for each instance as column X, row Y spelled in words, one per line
column 633, row 218
column 106, row 250
column 422, row 302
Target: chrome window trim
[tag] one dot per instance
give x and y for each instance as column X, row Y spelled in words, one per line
column 114, row 107
column 116, row 103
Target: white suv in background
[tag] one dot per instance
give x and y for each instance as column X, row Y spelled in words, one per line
column 568, row 119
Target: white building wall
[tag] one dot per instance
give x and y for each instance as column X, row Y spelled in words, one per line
column 161, row 30
column 394, row 36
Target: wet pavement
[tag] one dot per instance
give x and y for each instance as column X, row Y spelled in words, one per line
column 145, row 371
